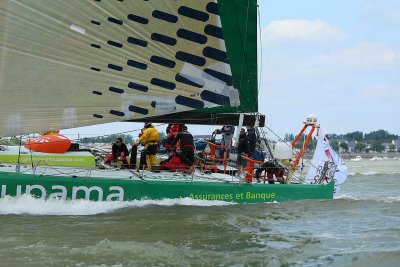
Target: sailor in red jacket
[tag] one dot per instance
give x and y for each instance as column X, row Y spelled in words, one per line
column 173, row 130
column 173, row 162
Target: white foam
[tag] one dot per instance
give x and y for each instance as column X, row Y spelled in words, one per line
column 371, row 173
column 344, row 196
column 390, row 199
column 27, row 204
column 374, row 198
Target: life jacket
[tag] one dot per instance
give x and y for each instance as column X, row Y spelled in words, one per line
column 173, row 164
column 173, row 131
column 149, row 137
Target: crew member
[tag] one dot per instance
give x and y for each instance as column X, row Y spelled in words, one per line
column 227, row 133
column 133, row 160
column 271, row 168
column 173, row 162
column 151, row 143
column 172, row 131
column 119, row 150
column 252, row 137
column 242, row 148
column 186, row 143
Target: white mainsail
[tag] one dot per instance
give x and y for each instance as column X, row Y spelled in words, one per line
column 67, row 64
column 325, row 154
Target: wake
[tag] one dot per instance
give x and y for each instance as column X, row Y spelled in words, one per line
column 26, row 204
column 382, row 199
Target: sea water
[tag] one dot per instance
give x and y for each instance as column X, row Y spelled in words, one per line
column 361, row 227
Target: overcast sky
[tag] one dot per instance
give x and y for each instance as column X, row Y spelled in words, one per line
column 337, row 59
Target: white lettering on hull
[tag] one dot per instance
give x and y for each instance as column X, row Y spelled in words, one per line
column 19, row 190
column 116, row 193
column 29, row 188
column 3, row 190
column 58, row 195
column 76, row 189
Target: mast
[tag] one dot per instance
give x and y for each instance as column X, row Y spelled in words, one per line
column 240, row 125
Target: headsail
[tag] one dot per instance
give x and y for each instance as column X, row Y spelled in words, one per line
column 324, row 154
column 73, row 63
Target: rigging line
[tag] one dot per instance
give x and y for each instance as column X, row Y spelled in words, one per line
column 19, row 154
column 245, row 39
column 264, row 136
column 259, row 75
column 261, row 54
column 134, row 130
column 244, row 59
column 30, row 150
column 276, row 135
column 137, row 175
column 212, row 117
column 305, row 159
column 244, row 52
column 261, row 49
column 280, row 139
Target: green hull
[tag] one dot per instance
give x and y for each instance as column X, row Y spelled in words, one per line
column 99, row 189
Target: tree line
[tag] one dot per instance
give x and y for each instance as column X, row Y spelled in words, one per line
column 108, row 139
column 379, row 135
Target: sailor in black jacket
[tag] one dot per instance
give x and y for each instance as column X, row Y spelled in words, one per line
column 186, row 144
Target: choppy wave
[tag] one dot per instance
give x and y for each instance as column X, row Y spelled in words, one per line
column 370, row 173
column 388, row 199
column 26, row 204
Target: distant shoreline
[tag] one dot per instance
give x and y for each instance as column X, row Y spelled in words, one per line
column 348, row 156
column 390, row 155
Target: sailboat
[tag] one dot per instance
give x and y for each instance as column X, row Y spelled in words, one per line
column 66, row 64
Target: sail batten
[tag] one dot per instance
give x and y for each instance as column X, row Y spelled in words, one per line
column 74, row 63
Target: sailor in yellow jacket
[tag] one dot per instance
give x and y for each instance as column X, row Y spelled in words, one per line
column 150, row 140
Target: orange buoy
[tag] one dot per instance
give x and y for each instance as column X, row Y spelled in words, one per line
column 53, row 143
